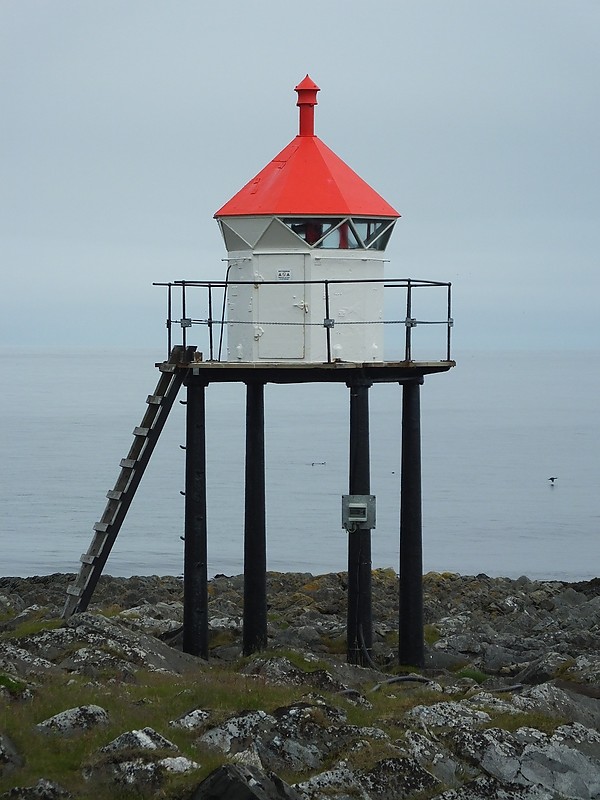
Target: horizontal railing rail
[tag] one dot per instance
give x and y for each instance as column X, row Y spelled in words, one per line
column 182, row 299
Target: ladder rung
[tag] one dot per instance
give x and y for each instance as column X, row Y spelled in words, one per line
column 154, row 399
column 86, row 558
column 101, row 527
column 140, row 431
column 76, row 591
column 127, row 463
column 114, row 494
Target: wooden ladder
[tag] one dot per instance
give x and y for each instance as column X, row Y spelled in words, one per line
column 79, row 593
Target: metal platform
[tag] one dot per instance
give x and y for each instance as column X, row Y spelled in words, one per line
column 302, row 372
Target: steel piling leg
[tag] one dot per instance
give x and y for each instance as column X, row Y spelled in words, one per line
column 411, row 648
column 255, row 546
column 195, row 585
column 359, row 619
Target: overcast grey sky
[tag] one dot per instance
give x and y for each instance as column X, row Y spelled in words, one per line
column 125, row 124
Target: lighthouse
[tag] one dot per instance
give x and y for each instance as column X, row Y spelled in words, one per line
column 301, row 302
column 306, row 240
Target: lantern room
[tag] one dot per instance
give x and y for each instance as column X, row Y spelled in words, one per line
column 306, row 240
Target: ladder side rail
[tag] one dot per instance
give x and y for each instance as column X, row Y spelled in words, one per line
column 140, row 442
column 107, row 530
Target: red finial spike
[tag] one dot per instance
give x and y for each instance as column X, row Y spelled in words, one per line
column 307, row 100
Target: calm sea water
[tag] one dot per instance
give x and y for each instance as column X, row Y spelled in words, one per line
column 493, row 430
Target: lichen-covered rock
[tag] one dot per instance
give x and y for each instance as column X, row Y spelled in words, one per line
column 487, row 788
column 72, row 720
column 281, row 672
column 42, row 790
column 191, row 720
column 532, row 758
column 585, row 669
column 21, row 661
column 239, row 732
column 240, row 782
column 448, row 715
column 338, row 782
column 9, row 757
column 136, row 759
column 294, row 738
column 486, row 701
column 389, row 779
column 564, row 704
column 12, row 603
column 396, row 778
column 92, row 645
column 543, row 669
column 144, row 739
column 155, row 619
column 141, row 773
column 131, row 646
column 437, row 759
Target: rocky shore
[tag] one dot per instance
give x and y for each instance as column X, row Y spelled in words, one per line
column 105, row 704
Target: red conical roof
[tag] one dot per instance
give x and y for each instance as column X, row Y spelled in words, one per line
column 307, row 178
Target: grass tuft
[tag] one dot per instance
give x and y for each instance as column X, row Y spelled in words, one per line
column 512, row 722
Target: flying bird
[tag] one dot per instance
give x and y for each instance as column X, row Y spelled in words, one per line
column 552, row 480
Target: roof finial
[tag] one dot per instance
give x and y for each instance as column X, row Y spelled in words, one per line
column 307, row 100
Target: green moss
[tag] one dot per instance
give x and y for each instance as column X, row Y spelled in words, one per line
column 222, row 638
column 336, row 645
column 14, row 686
column 473, row 673
column 391, row 638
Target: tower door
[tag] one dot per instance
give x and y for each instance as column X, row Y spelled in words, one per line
column 282, row 309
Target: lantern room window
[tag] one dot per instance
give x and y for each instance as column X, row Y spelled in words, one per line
column 374, row 233
column 342, row 233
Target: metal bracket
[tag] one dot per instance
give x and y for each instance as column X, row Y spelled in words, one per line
column 328, row 322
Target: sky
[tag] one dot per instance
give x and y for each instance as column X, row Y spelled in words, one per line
column 125, row 124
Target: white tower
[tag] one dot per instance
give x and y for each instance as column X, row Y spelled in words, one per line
column 304, row 220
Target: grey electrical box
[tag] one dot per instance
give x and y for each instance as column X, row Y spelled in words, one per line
column 358, row 512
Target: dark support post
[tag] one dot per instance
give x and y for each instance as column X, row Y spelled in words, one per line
column 360, row 624
column 411, row 645
column 255, row 543
column 195, row 586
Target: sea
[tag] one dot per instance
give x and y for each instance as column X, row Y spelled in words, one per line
column 495, row 428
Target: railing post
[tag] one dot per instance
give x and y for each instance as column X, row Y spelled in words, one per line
column 222, row 331
column 408, row 344
column 449, row 327
column 327, row 327
column 183, row 315
column 169, row 317
column 210, row 322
